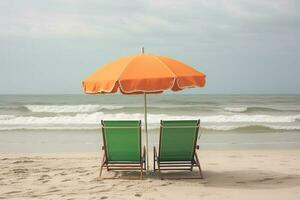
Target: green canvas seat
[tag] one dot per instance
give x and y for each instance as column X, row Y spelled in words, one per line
column 122, row 146
column 177, row 146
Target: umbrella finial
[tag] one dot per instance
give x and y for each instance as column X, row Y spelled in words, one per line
column 142, row 50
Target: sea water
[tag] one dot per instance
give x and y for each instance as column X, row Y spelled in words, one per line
column 46, row 123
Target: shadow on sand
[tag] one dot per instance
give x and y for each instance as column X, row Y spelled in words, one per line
column 256, row 179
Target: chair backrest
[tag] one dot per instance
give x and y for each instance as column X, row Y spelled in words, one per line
column 122, row 140
column 178, row 140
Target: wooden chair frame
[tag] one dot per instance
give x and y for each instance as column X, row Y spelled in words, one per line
column 123, row 165
column 177, row 165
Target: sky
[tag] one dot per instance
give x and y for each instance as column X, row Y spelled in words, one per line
column 243, row 47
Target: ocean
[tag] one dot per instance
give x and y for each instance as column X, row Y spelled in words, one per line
column 47, row 121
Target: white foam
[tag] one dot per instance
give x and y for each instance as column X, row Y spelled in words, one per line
column 236, row 109
column 233, row 127
column 6, row 117
column 250, row 118
column 221, row 127
column 89, row 108
column 290, row 128
column 49, row 128
column 93, row 119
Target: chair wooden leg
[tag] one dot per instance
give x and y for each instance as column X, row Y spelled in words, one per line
column 158, row 164
column 107, row 168
column 159, row 172
column 144, row 158
column 141, row 175
column 101, row 166
column 154, row 159
column 199, row 166
column 192, row 165
column 142, row 167
column 143, row 163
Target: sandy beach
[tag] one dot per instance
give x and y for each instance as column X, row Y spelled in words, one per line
column 82, row 77
column 230, row 174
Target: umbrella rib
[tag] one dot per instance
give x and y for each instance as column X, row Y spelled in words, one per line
column 118, row 79
column 176, row 80
column 167, row 67
column 164, row 64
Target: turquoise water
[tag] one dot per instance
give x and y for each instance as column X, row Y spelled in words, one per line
column 72, row 122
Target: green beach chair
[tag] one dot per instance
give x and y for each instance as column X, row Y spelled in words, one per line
column 122, row 146
column 177, row 147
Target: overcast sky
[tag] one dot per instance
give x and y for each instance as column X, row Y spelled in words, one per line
column 243, row 47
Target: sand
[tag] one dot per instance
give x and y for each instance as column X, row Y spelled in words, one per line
column 230, row 174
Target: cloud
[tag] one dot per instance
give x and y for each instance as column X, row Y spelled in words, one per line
column 110, row 19
column 227, row 38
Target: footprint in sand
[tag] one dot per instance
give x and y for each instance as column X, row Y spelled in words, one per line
column 279, row 182
column 128, row 186
column 91, row 188
column 63, row 173
column 23, row 161
column 86, row 174
column 137, row 195
column 262, row 180
column 52, row 191
column 45, row 169
column 166, row 184
column 104, row 197
column 20, row 170
column 240, row 182
column 13, row 192
column 81, row 171
column 267, row 179
column 66, row 180
column 44, row 177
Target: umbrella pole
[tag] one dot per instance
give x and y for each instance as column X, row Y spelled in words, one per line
column 146, row 129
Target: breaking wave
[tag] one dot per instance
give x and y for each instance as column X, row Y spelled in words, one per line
column 70, row 108
column 6, row 117
column 85, row 121
column 257, row 127
column 92, row 118
column 245, row 109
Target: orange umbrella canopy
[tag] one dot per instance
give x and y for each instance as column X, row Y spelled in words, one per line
column 143, row 73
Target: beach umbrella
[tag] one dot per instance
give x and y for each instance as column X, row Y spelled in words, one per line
column 143, row 74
